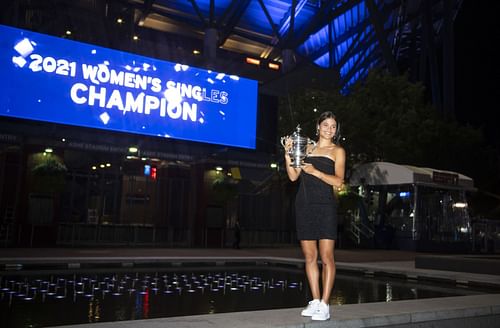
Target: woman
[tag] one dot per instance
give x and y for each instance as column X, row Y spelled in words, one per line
column 315, row 210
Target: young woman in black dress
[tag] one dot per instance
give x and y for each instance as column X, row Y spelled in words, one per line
column 316, row 210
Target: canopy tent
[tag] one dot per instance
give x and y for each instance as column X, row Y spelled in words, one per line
column 385, row 173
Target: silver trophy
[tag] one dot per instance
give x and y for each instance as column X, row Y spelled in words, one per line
column 298, row 151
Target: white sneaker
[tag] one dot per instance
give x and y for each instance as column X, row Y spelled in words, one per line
column 310, row 309
column 322, row 312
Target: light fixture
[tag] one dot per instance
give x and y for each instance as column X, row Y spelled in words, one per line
column 252, row 61
column 218, row 168
column 68, row 32
column 94, row 167
column 274, row 165
column 102, row 166
column 49, row 150
column 460, row 205
column 196, row 52
column 147, row 170
column 273, row 66
column 135, row 38
column 108, row 164
column 133, row 149
column 119, row 20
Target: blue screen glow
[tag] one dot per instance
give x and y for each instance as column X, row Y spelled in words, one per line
column 51, row 79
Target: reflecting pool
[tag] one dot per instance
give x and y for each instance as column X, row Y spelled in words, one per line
column 50, row 298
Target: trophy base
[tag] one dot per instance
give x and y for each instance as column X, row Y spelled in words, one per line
column 297, row 164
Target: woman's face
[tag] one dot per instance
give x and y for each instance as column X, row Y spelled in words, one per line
column 327, row 128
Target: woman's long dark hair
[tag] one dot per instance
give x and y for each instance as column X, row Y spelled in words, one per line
column 327, row 115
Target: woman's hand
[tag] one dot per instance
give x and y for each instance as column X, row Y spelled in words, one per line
column 287, row 144
column 308, row 168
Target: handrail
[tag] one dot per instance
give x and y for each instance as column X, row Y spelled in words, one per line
column 77, row 233
column 366, row 230
column 356, row 232
column 5, row 233
column 485, row 235
column 359, row 229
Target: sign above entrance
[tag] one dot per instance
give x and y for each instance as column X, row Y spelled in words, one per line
column 445, row 178
column 52, row 79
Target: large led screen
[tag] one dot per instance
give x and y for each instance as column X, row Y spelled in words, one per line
column 56, row 80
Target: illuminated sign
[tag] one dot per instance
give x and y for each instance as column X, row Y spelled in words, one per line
column 445, row 178
column 51, row 79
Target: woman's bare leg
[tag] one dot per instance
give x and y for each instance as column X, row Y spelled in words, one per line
column 326, row 251
column 310, row 250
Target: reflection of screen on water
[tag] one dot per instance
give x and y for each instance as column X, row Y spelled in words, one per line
column 51, row 79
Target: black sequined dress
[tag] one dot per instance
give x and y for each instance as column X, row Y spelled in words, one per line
column 315, row 203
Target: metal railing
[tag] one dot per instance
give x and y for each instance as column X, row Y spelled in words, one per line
column 88, row 234
column 6, row 234
column 74, row 234
column 486, row 236
column 359, row 230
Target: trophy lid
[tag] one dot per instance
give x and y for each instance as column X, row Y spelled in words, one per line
column 297, row 130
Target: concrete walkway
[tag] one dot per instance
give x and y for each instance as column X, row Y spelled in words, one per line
column 10, row 255
column 461, row 311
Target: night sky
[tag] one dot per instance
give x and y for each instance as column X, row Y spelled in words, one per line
column 477, row 73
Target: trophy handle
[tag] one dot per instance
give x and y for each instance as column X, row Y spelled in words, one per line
column 282, row 141
column 310, row 143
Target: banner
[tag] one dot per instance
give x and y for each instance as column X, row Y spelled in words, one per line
column 52, row 79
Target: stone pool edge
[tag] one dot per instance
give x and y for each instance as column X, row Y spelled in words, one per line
column 399, row 269
column 458, row 311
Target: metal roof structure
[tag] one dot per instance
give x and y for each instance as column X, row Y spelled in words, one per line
column 336, row 41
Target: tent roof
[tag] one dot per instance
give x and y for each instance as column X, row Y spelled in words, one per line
column 385, row 173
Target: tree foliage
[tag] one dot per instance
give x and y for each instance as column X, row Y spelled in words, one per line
column 304, row 108
column 386, row 118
